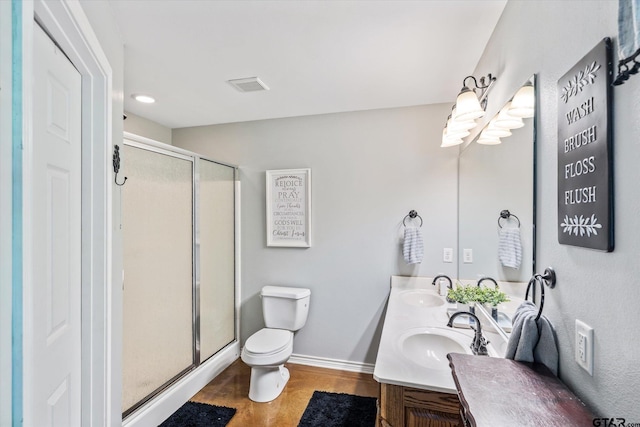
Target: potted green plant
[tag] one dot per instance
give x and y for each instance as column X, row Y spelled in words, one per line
column 491, row 297
column 464, row 296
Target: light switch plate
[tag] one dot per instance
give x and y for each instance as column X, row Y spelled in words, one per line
column 584, row 346
column 447, row 255
column 467, row 256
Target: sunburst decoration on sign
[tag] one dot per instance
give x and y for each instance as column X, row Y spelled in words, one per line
column 581, row 225
column 579, row 81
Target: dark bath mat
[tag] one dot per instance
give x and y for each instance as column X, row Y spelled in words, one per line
column 339, row 410
column 194, row 414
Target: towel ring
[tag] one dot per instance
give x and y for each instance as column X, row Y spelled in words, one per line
column 549, row 279
column 412, row 214
column 505, row 214
column 536, row 279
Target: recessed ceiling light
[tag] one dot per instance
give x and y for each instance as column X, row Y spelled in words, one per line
column 146, row 99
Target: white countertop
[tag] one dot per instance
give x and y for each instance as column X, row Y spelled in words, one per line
column 402, row 318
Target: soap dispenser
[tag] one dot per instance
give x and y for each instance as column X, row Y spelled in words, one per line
column 442, row 283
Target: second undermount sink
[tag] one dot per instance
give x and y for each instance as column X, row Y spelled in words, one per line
column 421, row 298
column 428, row 347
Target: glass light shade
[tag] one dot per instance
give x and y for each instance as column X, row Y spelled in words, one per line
column 523, row 103
column 467, row 106
column 462, row 133
column 488, row 140
column 504, row 120
column 493, row 130
column 450, row 143
column 449, row 140
column 455, row 125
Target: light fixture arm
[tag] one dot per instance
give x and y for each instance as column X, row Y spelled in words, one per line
column 483, row 84
column 475, row 81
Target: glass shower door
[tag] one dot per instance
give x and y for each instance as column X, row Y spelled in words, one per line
column 157, row 221
column 216, row 260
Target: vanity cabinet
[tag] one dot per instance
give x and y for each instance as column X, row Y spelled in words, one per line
column 501, row 392
column 411, row 407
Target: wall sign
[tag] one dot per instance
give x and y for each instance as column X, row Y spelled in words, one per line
column 585, row 168
column 289, row 208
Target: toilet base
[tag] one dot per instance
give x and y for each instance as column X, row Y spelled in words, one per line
column 267, row 382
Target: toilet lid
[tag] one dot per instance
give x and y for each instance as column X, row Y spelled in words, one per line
column 267, row 341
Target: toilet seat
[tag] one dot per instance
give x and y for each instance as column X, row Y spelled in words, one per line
column 268, row 347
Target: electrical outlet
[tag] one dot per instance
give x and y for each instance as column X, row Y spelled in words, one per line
column 467, row 256
column 447, row 255
column 584, row 346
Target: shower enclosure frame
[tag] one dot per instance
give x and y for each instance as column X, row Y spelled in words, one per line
column 144, row 410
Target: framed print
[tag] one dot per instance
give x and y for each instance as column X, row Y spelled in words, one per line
column 289, row 208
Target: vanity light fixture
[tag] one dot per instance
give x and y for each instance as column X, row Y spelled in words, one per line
column 470, row 105
column 457, row 125
column 506, row 120
column 486, row 139
column 523, row 103
column 511, row 116
column 450, row 140
column 457, row 133
column 145, row 99
column 493, row 130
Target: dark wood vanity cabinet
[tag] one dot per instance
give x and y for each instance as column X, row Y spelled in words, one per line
column 411, row 407
column 501, row 392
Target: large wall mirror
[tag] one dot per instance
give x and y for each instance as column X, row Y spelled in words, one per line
column 492, row 179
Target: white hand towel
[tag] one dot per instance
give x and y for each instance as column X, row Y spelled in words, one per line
column 413, row 249
column 628, row 28
column 510, row 247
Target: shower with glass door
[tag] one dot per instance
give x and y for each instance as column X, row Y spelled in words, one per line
column 178, row 223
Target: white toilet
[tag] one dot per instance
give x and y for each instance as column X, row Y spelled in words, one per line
column 285, row 311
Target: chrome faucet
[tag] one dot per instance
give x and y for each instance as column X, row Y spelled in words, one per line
column 479, row 344
column 490, row 279
column 443, row 276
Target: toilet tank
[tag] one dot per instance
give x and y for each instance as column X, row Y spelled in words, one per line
column 285, row 307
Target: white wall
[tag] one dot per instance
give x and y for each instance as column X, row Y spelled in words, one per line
column 601, row 289
column 368, row 170
column 147, row 128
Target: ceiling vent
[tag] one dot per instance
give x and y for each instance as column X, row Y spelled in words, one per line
column 250, row 84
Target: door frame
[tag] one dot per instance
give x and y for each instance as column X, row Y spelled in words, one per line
column 67, row 24
column 8, row 36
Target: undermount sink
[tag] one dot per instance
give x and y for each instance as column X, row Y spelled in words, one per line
column 421, row 298
column 428, row 347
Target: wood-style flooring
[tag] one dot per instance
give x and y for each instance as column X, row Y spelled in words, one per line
column 231, row 389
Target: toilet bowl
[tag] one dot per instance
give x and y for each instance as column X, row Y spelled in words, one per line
column 266, row 351
column 285, row 311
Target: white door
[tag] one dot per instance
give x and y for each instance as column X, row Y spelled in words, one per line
column 52, row 362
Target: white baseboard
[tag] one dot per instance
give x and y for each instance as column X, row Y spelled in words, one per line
column 322, row 362
column 162, row 406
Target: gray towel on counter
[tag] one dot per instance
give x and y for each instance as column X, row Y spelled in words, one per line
column 413, row 249
column 532, row 341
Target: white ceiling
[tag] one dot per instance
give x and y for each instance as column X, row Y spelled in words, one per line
column 317, row 57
